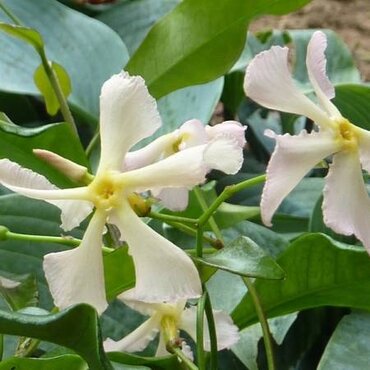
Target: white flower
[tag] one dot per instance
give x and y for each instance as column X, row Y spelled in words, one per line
column 167, row 320
column 190, row 134
column 346, row 205
column 163, row 271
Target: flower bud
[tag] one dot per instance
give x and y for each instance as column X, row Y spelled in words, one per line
column 72, row 170
column 3, row 231
column 139, row 204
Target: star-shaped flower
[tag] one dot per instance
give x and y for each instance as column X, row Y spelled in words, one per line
column 346, row 205
column 164, row 272
column 189, row 134
column 167, row 320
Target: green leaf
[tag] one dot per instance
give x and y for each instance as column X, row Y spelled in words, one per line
column 76, row 328
column 119, row 272
column 319, row 272
column 206, row 39
column 16, row 144
column 43, row 84
column 71, row 362
column 26, row 34
column 155, row 363
column 353, row 101
column 19, row 291
column 348, row 348
column 132, row 20
column 244, row 257
column 88, row 50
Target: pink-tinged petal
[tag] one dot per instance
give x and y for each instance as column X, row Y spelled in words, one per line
column 149, row 154
column 128, row 114
column 316, row 68
column 192, row 133
column 31, row 184
column 268, row 81
column 364, row 147
column 183, row 169
column 137, row 340
column 164, row 272
column 346, row 205
column 175, row 199
column 229, row 129
column 224, row 154
column 227, row 333
column 76, row 276
column 292, row 158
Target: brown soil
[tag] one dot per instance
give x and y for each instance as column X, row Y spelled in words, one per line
column 349, row 18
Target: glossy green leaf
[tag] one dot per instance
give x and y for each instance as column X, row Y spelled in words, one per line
column 244, row 257
column 348, row 348
column 64, row 362
column 26, row 34
column 155, row 363
column 353, row 101
column 319, row 272
column 89, row 51
column 198, row 41
column 43, row 84
column 16, row 144
column 76, row 328
column 132, row 20
column 19, row 291
column 119, row 272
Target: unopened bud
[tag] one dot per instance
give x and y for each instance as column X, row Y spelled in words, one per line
column 139, row 204
column 3, row 232
column 72, row 170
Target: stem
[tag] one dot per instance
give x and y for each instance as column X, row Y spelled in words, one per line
column 200, row 331
column 53, row 78
column 71, row 242
column 212, row 333
column 165, row 217
column 94, row 141
column 203, row 204
column 215, row 243
column 267, row 338
column 15, row 19
column 227, row 193
column 189, row 364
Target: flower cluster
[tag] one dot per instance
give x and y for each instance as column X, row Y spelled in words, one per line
column 346, row 205
column 171, row 165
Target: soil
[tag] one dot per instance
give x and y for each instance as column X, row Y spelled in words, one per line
column 349, row 18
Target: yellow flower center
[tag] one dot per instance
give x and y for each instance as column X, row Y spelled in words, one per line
column 347, row 134
column 106, row 191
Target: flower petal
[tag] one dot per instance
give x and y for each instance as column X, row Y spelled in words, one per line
column 230, row 129
column 346, row 205
column 316, row 68
column 149, row 154
column 76, row 276
column 137, row 340
column 268, row 81
column 364, row 147
column 164, row 272
column 226, row 332
column 175, row 199
column 128, row 114
column 33, row 185
column 192, row 133
column 183, row 169
column 224, row 154
column 292, row 158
